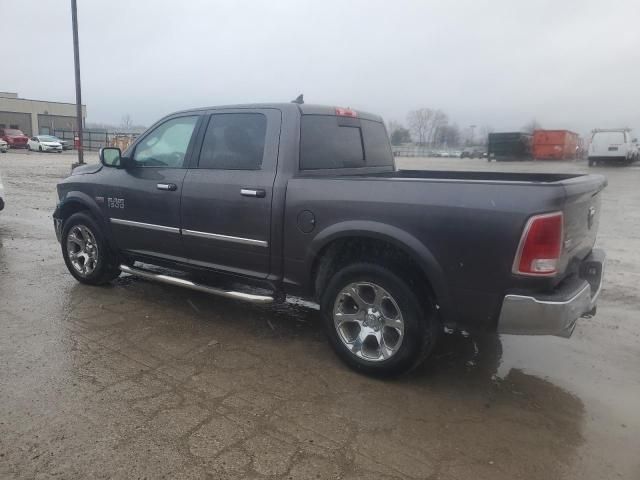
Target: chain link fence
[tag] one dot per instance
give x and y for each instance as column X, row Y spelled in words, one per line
column 93, row 140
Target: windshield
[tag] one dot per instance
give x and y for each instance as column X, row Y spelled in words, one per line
column 13, row 131
column 48, row 138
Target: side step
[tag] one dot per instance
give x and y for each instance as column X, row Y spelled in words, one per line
column 180, row 282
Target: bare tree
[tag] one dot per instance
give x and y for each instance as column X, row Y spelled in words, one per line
column 392, row 126
column 419, row 122
column 126, row 124
column 485, row 130
column 531, row 126
column 438, row 121
column 449, row 135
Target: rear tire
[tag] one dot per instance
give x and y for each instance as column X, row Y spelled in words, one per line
column 376, row 321
column 85, row 251
column 40, row 148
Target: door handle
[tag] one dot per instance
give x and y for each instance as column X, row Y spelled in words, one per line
column 171, row 187
column 252, row 192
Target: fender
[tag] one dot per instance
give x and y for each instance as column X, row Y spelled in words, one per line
column 77, row 199
column 413, row 247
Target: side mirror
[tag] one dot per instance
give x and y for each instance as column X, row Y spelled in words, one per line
column 110, row 157
column 635, row 140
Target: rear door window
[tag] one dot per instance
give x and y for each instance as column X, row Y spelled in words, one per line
column 234, row 141
column 325, row 143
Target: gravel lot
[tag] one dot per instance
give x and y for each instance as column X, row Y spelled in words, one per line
column 142, row 380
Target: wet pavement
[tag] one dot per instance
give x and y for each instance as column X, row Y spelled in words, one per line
column 143, row 380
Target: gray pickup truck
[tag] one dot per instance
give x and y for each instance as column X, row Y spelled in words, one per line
column 261, row 202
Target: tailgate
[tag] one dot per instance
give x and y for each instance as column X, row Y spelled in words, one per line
column 581, row 218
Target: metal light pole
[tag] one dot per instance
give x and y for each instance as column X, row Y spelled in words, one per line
column 76, row 60
column 472, row 127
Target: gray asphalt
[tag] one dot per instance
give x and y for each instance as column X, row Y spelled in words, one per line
column 142, row 380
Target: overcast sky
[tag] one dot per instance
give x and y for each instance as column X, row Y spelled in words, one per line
column 569, row 64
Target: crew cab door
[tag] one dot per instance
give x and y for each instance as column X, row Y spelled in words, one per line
column 143, row 200
column 226, row 198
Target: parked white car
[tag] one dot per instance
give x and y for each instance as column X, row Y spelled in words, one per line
column 612, row 145
column 44, row 143
column 4, row 146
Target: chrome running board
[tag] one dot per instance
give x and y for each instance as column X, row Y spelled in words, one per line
column 180, row 282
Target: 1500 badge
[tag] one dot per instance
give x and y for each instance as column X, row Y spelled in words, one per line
column 115, row 202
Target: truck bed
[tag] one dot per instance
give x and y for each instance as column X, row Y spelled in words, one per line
column 471, row 222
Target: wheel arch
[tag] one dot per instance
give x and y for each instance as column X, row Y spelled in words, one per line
column 75, row 202
column 338, row 240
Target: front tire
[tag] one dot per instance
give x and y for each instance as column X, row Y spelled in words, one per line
column 377, row 322
column 85, row 251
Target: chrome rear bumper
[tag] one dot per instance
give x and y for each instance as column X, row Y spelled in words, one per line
column 555, row 313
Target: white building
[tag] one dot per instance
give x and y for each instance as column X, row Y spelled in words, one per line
column 35, row 117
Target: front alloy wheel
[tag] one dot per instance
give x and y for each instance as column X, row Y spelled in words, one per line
column 86, row 252
column 83, row 250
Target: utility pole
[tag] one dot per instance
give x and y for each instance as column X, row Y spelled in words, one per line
column 76, row 60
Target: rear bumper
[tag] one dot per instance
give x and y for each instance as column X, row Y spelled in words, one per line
column 555, row 313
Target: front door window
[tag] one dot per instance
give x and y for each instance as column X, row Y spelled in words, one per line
column 166, row 146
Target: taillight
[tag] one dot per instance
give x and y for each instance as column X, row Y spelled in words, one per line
column 540, row 246
column 346, row 112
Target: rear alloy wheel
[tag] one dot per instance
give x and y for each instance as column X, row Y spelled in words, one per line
column 376, row 322
column 368, row 321
column 85, row 251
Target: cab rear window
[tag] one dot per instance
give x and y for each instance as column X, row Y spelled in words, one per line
column 331, row 142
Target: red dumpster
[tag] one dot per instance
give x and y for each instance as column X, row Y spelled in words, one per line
column 555, row 144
